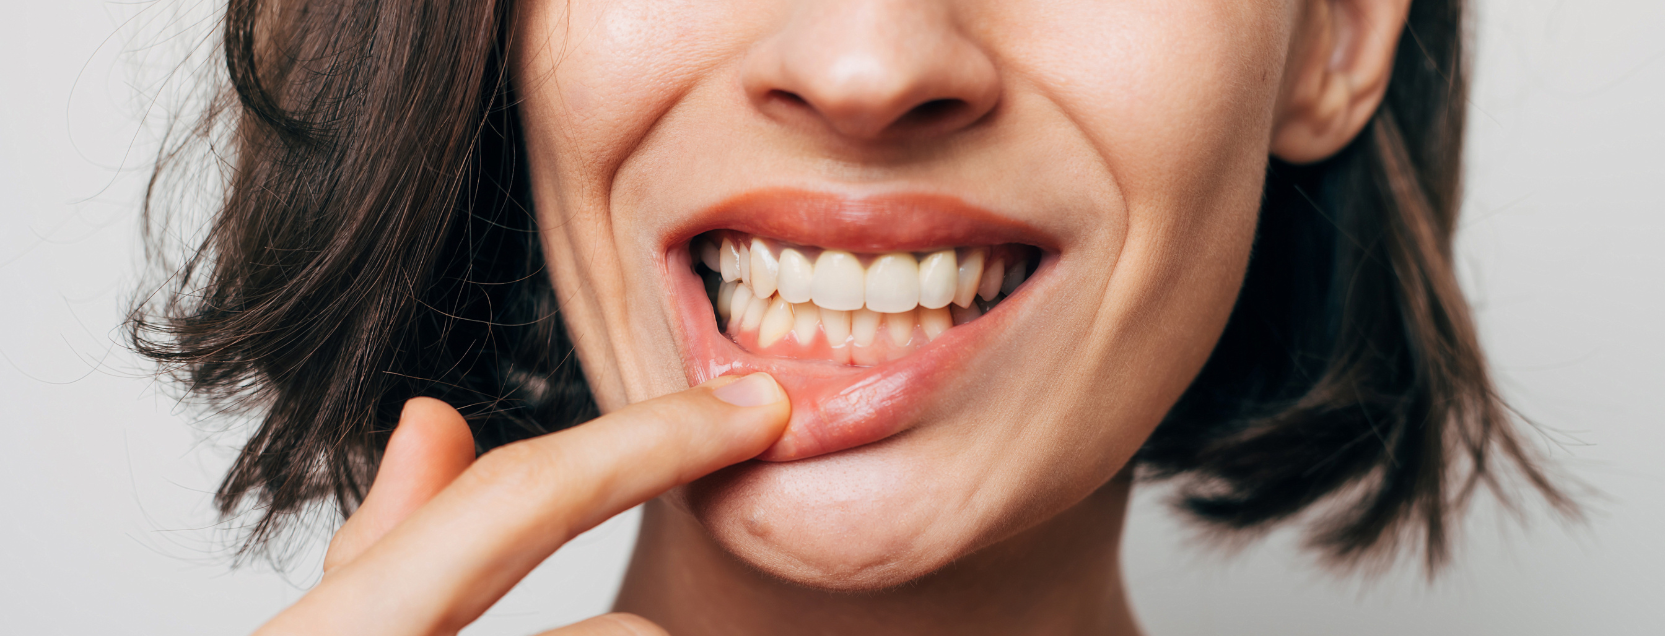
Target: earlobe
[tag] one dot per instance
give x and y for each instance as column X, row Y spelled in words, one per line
column 1338, row 70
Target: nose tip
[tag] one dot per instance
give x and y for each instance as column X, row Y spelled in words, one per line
column 873, row 69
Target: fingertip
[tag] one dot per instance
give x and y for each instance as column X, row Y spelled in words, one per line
column 757, row 389
column 432, row 432
column 762, row 416
column 429, row 448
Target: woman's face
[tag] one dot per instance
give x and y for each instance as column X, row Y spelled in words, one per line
column 1112, row 151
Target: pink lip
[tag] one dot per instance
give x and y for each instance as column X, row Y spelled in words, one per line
column 835, row 407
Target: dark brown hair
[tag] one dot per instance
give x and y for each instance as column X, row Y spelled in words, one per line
column 376, row 242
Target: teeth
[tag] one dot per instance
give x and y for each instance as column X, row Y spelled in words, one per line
column 938, row 279
column 893, row 283
column 725, row 295
column 864, row 325
column 765, row 269
column 838, row 281
column 970, row 272
column 805, row 317
column 729, row 260
column 935, row 321
column 1014, row 278
column 992, row 277
column 797, row 277
column 738, row 304
column 708, row 256
column 835, row 295
column 745, row 259
column 837, row 325
column 900, row 326
column 777, row 322
column 754, row 313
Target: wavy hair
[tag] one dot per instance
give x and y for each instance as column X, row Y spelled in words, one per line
column 375, row 242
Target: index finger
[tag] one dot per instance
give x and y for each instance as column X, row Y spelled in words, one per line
column 445, row 565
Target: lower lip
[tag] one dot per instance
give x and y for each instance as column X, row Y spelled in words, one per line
column 834, row 406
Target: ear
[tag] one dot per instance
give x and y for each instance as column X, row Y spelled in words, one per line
column 1338, row 71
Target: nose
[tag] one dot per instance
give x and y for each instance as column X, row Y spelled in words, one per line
column 872, row 69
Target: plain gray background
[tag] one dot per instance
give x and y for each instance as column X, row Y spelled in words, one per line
column 105, row 484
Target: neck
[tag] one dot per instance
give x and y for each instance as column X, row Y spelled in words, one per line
column 1062, row 576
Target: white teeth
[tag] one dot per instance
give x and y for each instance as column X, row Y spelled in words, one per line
column 776, row 290
column 838, row 281
column 970, row 272
column 1014, row 278
column 900, row 327
column 708, row 256
column 737, row 305
column 765, row 270
column 729, row 260
column 837, row 325
column 725, row 295
column 797, row 277
column 777, row 322
column 938, row 276
column 745, row 259
column 935, row 321
column 992, row 277
column 893, row 283
column 864, row 325
column 754, row 313
column 805, row 318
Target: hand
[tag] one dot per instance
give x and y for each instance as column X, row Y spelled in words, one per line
column 441, row 536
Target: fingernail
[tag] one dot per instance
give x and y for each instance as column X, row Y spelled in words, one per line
column 756, row 389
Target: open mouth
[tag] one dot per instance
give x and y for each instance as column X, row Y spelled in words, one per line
column 869, row 311
column 795, row 301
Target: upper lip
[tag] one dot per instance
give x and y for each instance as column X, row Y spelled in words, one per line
column 892, row 222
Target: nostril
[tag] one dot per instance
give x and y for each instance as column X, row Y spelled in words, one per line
column 788, row 97
column 932, row 112
column 935, row 109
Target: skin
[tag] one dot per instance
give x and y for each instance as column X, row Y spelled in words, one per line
column 1136, row 133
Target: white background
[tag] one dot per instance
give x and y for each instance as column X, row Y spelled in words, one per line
column 104, row 485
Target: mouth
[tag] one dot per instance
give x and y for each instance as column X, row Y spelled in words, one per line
column 863, row 309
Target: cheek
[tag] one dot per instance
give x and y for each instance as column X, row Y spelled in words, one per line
column 1174, row 94
column 595, row 76
column 1178, row 98
column 592, row 79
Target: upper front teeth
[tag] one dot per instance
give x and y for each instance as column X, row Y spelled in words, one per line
column 795, row 280
column 893, row 283
column 938, row 279
column 764, row 270
column 837, row 280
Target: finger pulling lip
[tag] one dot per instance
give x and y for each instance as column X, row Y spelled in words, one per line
column 836, row 406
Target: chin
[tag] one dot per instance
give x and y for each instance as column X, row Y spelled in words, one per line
column 858, row 520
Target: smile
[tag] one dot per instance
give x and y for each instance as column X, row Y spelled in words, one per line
column 804, row 302
column 865, row 310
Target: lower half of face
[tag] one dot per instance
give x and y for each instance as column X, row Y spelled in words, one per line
column 982, row 283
